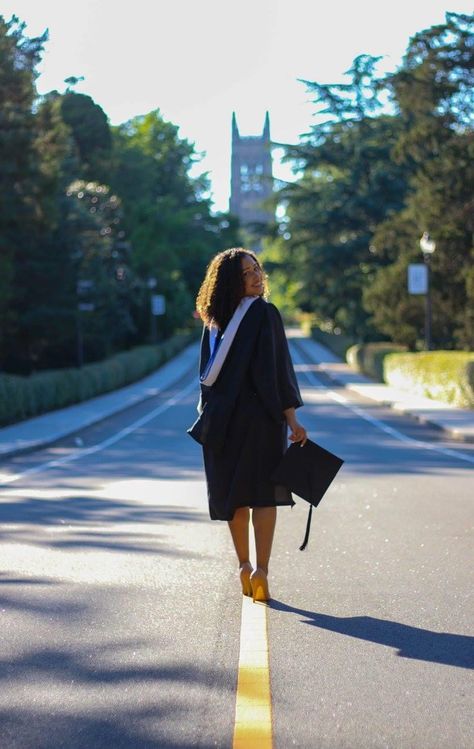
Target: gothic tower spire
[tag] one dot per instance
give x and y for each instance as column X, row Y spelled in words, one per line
column 266, row 127
column 235, row 129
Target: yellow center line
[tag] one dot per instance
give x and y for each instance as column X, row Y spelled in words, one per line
column 253, row 709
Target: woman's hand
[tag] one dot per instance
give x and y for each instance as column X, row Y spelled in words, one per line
column 298, row 432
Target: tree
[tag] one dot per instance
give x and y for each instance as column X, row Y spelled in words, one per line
column 42, row 286
column 167, row 215
column 434, row 93
column 349, row 185
column 91, row 133
column 65, row 231
column 18, row 176
column 102, row 274
column 48, row 236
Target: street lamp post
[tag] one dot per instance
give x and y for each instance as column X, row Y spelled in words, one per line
column 83, row 288
column 428, row 246
column 151, row 283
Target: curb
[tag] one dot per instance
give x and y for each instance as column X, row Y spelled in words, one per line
column 453, row 433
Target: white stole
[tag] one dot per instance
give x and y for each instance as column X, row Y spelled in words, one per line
column 219, row 352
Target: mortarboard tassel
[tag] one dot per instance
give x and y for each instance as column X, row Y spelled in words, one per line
column 308, row 526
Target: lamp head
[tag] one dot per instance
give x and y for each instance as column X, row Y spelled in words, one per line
column 427, row 244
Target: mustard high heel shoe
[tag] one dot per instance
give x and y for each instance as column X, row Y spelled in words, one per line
column 259, row 584
column 246, row 570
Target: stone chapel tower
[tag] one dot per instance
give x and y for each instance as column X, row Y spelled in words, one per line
column 251, row 178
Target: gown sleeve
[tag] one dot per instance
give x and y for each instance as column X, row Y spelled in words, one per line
column 204, row 354
column 272, row 369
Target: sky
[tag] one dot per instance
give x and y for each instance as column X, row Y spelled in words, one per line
column 197, row 62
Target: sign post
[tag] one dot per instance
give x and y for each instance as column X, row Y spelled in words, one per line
column 157, row 308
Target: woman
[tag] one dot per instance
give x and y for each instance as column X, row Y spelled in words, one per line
column 248, row 399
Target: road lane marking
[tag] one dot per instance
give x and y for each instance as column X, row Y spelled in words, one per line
column 376, row 422
column 253, row 711
column 5, row 479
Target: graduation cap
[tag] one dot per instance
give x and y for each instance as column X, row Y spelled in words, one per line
column 307, row 471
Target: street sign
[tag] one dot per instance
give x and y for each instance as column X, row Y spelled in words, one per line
column 158, row 304
column 417, row 278
column 85, row 286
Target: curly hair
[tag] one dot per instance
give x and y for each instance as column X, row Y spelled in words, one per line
column 223, row 286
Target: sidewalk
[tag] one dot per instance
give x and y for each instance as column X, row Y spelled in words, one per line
column 49, row 427
column 456, row 423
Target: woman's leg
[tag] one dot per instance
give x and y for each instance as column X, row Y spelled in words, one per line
column 264, row 520
column 239, row 528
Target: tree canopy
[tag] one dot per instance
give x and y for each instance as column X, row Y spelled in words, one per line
column 95, row 219
column 89, row 215
column 372, row 181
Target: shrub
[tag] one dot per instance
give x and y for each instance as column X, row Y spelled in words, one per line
column 24, row 397
column 368, row 358
column 443, row 375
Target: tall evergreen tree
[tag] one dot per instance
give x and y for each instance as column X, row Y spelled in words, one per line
column 434, row 91
column 18, row 176
column 91, row 134
column 43, row 298
column 348, row 186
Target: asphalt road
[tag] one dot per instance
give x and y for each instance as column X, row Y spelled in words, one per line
column 120, row 605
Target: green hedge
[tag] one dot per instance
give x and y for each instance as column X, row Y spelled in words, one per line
column 368, row 358
column 24, row 397
column 443, row 375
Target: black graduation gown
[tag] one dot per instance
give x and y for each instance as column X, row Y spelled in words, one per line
column 244, row 432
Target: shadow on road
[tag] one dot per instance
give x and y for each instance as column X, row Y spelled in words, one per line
column 410, row 642
column 147, row 704
column 29, row 729
column 27, row 602
column 30, row 520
